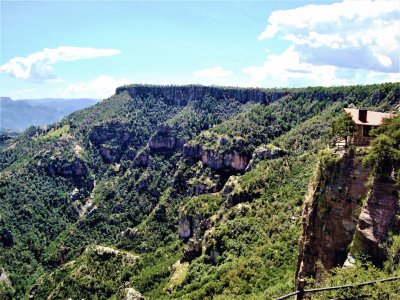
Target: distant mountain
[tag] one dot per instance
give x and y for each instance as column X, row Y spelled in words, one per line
column 20, row 114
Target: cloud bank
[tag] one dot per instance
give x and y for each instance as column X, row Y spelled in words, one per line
column 341, row 43
column 38, row 66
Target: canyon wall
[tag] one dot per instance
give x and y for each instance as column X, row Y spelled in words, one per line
column 181, row 95
column 344, row 215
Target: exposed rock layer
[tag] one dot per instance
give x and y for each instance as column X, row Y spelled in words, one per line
column 376, row 218
column 215, row 160
column 329, row 215
column 163, row 140
column 332, row 221
column 181, row 95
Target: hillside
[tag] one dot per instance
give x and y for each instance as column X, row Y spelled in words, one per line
column 18, row 115
column 168, row 192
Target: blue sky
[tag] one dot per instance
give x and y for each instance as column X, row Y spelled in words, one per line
column 86, row 49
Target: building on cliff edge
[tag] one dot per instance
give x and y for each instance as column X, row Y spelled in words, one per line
column 365, row 121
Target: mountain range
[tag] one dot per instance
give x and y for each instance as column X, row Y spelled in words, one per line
column 201, row 192
column 17, row 115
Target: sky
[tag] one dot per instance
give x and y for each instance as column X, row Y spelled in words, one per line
column 77, row 49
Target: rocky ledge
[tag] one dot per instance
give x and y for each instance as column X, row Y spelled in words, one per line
column 215, row 159
column 181, row 95
column 164, row 141
column 67, row 168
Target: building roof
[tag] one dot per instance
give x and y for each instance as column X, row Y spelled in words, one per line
column 373, row 118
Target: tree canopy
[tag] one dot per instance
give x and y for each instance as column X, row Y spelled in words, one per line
column 343, row 127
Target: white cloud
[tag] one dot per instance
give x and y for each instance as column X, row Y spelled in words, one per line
column 286, row 69
column 38, row 66
column 342, row 43
column 101, row 87
column 212, row 73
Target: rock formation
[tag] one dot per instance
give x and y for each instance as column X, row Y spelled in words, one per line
column 330, row 213
column 215, row 160
column 163, row 141
column 67, row 168
column 335, row 219
column 264, row 152
column 181, row 95
column 132, row 294
column 192, row 250
column 376, row 218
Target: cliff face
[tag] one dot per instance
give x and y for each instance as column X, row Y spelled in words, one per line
column 329, row 215
column 163, row 140
column 376, row 218
column 215, row 160
column 74, row 168
column 335, row 219
column 181, row 95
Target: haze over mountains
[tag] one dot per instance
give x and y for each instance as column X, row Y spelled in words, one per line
column 17, row 115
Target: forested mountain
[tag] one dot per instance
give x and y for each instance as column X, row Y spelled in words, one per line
column 172, row 192
column 20, row 114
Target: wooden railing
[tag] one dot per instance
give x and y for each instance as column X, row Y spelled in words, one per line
column 301, row 292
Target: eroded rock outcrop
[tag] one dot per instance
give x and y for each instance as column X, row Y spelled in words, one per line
column 111, row 139
column 193, row 226
column 192, row 250
column 376, row 218
column 264, row 152
column 216, row 160
column 164, row 141
column 343, row 211
column 184, row 227
column 5, row 282
column 200, row 187
column 67, row 168
column 107, row 252
column 330, row 213
column 142, row 159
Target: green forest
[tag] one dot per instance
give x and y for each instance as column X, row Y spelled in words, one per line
column 169, row 192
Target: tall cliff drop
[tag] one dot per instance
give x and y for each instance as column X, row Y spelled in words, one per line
column 344, row 215
column 377, row 217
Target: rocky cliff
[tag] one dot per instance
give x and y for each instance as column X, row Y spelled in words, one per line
column 343, row 215
column 216, row 160
column 181, row 95
column 163, row 140
column 377, row 217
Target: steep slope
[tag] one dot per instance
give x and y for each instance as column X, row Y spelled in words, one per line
column 331, row 212
column 135, row 171
column 351, row 218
